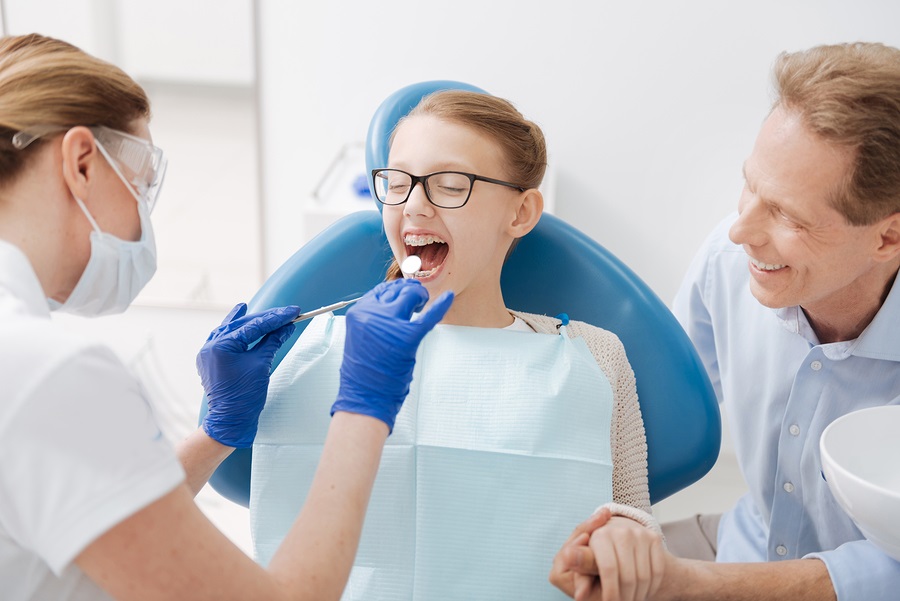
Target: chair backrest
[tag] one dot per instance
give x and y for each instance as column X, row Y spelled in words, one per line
column 554, row 269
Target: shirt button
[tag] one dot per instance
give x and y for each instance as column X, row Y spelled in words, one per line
column 816, row 365
column 781, row 550
column 794, row 430
column 788, row 487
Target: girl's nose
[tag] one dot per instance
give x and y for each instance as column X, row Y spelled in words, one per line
column 418, row 203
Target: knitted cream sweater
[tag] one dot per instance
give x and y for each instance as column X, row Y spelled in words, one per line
column 627, row 438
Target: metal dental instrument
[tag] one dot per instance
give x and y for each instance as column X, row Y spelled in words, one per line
column 410, row 265
column 325, row 309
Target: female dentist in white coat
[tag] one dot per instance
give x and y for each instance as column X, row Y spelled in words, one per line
column 94, row 504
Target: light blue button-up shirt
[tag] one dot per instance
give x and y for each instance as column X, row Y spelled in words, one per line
column 780, row 388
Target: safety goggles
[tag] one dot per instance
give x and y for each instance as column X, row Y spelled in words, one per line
column 136, row 161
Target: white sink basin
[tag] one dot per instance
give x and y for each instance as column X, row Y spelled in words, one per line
column 861, row 462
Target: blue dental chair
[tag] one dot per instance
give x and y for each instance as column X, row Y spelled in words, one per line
column 554, row 269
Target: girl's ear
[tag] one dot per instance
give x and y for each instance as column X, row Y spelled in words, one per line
column 528, row 213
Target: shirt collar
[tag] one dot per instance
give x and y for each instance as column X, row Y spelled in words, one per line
column 18, row 280
column 877, row 341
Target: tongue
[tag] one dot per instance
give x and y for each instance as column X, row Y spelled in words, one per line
column 432, row 255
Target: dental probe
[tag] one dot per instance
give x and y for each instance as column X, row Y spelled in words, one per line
column 325, row 309
column 411, row 264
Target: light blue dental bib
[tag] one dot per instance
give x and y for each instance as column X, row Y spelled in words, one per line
column 497, row 454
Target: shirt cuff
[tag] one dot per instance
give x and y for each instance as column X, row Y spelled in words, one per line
column 860, row 571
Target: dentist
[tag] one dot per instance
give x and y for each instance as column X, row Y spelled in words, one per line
column 94, row 503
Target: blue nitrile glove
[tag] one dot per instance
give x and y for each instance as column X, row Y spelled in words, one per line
column 236, row 377
column 380, row 347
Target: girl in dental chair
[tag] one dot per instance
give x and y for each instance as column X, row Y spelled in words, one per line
column 516, row 425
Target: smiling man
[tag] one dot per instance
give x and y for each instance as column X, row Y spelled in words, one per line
column 794, row 307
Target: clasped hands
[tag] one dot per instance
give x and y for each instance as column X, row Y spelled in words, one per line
column 611, row 558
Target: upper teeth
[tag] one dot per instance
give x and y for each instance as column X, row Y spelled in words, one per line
column 421, row 239
column 765, row 266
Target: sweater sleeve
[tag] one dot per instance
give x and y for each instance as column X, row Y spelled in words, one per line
column 627, row 436
column 628, row 440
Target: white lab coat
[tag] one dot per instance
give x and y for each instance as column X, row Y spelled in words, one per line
column 79, row 449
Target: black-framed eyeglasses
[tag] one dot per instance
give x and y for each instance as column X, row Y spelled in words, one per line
column 444, row 189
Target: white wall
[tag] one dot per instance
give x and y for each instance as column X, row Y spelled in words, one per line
column 649, row 107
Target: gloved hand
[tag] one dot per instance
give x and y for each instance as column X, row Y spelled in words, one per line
column 236, row 377
column 380, row 347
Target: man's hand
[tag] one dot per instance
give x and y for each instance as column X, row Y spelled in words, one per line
column 575, row 559
column 610, row 558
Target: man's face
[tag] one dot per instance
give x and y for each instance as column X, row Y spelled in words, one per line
column 802, row 251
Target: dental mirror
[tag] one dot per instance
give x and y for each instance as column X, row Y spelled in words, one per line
column 410, row 265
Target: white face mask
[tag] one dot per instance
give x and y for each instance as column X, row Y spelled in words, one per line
column 117, row 270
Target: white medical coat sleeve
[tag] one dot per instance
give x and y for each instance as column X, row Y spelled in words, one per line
column 80, row 453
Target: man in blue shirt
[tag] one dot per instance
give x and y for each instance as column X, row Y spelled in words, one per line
column 794, row 307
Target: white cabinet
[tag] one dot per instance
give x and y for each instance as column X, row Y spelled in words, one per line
column 197, row 42
column 200, row 41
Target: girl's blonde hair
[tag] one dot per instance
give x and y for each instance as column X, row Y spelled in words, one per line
column 521, row 141
column 49, row 85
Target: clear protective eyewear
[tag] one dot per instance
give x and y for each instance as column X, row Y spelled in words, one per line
column 136, row 161
column 444, row 189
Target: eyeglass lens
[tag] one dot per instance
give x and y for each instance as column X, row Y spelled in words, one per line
column 447, row 190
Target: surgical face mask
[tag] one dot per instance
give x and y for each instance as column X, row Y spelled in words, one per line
column 117, row 269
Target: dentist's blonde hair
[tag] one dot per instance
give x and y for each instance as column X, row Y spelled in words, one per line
column 47, row 84
column 521, row 141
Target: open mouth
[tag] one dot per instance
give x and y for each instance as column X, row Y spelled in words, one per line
column 428, row 247
column 766, row 266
